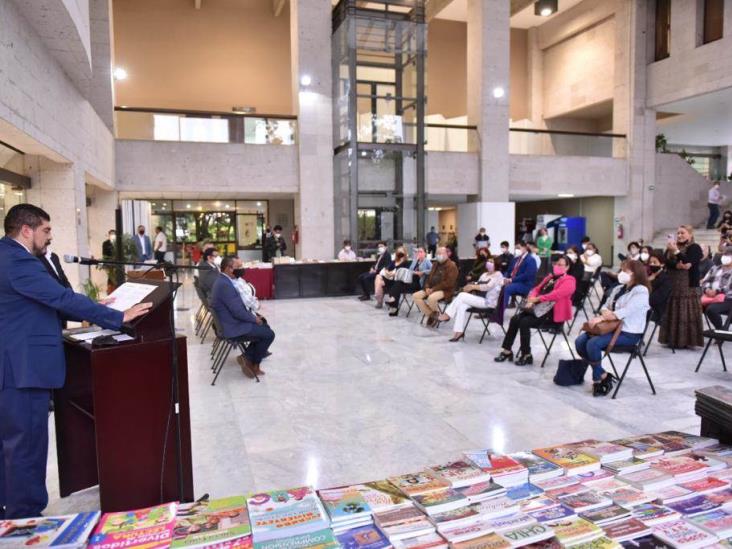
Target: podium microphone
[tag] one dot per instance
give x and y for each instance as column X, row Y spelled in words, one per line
column 81, row 260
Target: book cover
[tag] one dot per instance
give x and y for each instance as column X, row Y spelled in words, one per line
column 321, row 539
column 570, row 531
column 558, row 482
column 694, row 441
column 527, row 534
column 461, row 516
column 537, row 504
column 523, row 491
column 607, row 485
column 716, row 522
column 511, row 522
column 627, row 465
column 498, row 507
column 207, row 522
column 488, row 541
column 679, row 466
column 630, row 497
column 444, row 500
column 398, row 516
column 599, row 543
column 606, row 451
column 647, row 542
column 364, row 537
column 705, row 485
column 626, row 529
column 605, row 515
column 344, row 503
column 482, row 490
column 589, row 479
column 536, row 466
column 381, row 495
column 651, row 514
column 683, row 534
column 568, row 458
column 672, row 493
column 647, row 478
column 643, row 446
column 551, row 514
column 418, row 483
column 148, row 528
column 466, row 532
column 567, row 490
column 426, row 541
column 71, row 530
column 584, row 501
column 285, row 513
column 460, row 473
column 694, row 506
column 721, row 497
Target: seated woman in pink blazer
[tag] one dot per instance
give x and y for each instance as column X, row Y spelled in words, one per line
column 548, row 304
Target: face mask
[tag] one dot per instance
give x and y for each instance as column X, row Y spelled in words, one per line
column 624, row 277
column 589, row 252
column 558, row 270
column 518, row 252
column 217, row 260
column 504, row 250
column 440, row 258
column 112, row 237
column 381, row 250
column 584, row 246
column 141, row 233
column 238, row 273
column 348, row 248
column 655, row 268
column 573, row 257
column 490, row 266
column 277, row 235
column 726, row 259
column 644, row 256
column 482, row 233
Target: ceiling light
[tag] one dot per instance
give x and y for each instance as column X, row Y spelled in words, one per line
column 188, row 206
column 259, row 204
column 306, row 80
column 120, row 73
column 498, row 92
column 243, row 110
column 565, row 195
column 545, row 8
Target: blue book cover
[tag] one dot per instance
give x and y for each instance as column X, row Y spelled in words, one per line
column 78, row 530
column 524, row 491
column 365, row 537
column 558, row 512
column 534, row 463
column 693, row 506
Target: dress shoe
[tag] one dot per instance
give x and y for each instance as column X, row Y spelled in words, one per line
column 246, row 365
column 379, row 304
column 524, row 360
column 457, row 338
column 364, row 298
column 503, row 357
column 394, row 312
column 258, row 370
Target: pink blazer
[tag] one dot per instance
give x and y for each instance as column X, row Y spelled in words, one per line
column 561, row 295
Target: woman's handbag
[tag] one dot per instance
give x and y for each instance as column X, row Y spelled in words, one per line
column 605, row 327
column 570, row 372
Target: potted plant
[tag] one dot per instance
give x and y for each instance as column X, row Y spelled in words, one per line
column 661, row 143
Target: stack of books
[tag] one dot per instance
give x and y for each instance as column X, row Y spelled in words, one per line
column 504, row 470
column 221, row 522
column 135, row 528
column 346, row 508
column 572, row 460
column 67, row 531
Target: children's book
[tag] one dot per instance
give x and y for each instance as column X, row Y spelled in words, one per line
column 285, row 513
column 321, row 539
column 572, row 460
column 681, row 534
column 461, row 473
column 419, row 483
column 364, row 537
column 61, row 532
column 344, row 504
column 148, row 528
column 207, row 522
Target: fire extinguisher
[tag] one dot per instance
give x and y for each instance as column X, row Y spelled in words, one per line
column 620, row 231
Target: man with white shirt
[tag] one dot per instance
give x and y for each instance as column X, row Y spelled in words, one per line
column 714, row 199
column 347, row 253
column 161, row 244
column 143, row 248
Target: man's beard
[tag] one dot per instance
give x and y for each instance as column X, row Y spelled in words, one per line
column 38, row 252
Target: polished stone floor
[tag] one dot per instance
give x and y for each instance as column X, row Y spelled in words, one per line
column 352, row 395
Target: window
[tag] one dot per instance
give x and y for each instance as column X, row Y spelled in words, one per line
column 713, row 20
column 663, row 29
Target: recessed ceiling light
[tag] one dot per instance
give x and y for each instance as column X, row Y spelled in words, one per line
column 120, row 73
column 498, row 92
column 306, row 80
column 565, row 195
column 188, row 205
column 545, row 8
column 259, row 203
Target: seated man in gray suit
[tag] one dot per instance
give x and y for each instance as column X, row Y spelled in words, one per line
column 143, row 247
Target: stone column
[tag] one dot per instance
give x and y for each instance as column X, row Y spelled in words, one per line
column 310, row 32
column 630, row 115
column 489, row 36
column 60, row 190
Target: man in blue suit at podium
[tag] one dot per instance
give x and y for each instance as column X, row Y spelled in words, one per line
column 32, row 355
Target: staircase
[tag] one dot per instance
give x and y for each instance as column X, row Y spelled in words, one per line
column 702, row 236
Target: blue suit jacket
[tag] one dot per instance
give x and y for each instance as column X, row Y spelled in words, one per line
column 234, row 318
column 31, row 345
column 138, row 248
column 526, row 275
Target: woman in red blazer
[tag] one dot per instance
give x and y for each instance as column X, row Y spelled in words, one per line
column 549, row 303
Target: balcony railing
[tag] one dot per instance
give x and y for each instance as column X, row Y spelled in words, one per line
column 205, row 126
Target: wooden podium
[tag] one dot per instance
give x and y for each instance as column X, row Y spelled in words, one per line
column 114, row 425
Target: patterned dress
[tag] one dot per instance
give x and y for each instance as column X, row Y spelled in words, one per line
column 682, row 324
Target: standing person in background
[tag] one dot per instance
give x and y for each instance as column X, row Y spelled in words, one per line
column 682, row 325
column 109, row 252
column 482, row 240
column 545, row 243
column 347, row 253
column 108, row 245
column 432, row 239
column 275, row 245
column 265, row 238
column 143, row 247
column 451, row 246
column 503, row 261
column 714, row 199
column 161, row 244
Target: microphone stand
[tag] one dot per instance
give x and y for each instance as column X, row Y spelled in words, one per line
column 170, row 269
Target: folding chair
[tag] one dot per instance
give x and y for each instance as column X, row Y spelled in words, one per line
column 656, row 323
column 555, row 330
column 593, row 288
column 486, row 316
column 718, row 337
column 634, row 351
column 406, row 300
column 580, row 308
column 224, row 349
column 441, row 307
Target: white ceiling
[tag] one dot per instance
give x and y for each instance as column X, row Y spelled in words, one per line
column 457, row 10
column 705, row 120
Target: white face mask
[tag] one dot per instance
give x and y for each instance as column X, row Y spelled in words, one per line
column 573, row 257
column 217, row 260
column 112, row 237
column 644, row 256
column 624, row 277
column 348, row 248
column 589, row 252
column 440, row 258
column 518, row 252
column 584, row 246
column 726, row 260
column 381, row 250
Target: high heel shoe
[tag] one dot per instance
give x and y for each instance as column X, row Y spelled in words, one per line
column 524, row 360
column 457, row 338
column 504, row 356
column 609, row 381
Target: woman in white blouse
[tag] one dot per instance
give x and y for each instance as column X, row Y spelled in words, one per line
column 591, row 260
column 489, row 282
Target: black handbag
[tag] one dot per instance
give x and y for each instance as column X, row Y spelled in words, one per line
column 570, row 372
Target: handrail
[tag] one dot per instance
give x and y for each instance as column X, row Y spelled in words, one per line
column 205, row 113
column 567, row 132
column 450, row 126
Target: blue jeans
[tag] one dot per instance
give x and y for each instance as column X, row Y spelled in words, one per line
column 591, row 347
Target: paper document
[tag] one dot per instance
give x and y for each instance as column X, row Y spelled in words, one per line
column 88, row 336
column 129, row 294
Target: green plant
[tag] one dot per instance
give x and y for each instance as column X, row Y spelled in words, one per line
column 686, row 156
column 90, row 289
column 661, row 143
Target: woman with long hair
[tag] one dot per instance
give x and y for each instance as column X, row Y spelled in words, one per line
column 682, row 324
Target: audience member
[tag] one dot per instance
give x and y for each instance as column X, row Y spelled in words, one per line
column 682, row 325
column 440, row 284
column 481, row 256
column 717, row 291
column 236, row 322
column 451, row 246
column 385, row 277
column 629, row 303
column 481, row 240
column 347, row 253
column 584, row 242
column 726, row 224
column 591, row 260
column 707, row 261
column 275, row 244
column 646, row 252
column 247, row 292
column 715, row 198
column 143, row 248
column 522, row 274
column 549, row 305
column 633, row 252
column 576, row 271
column 661, row 285
column 544, row 242
column 432, row 239
column 489, row 284
column 366, row 280
column 534, row 253
column 420, row 268
column 503, row 261
column 208, row 270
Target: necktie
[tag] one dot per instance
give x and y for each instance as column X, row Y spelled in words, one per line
column 516, row 267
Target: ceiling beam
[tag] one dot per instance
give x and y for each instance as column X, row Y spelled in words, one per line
column 433, row 7
column 519, row 5
column 278, row 6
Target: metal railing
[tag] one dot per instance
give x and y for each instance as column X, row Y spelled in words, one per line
column 155, row 124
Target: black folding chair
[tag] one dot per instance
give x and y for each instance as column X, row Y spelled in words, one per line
column 580, row 308
column 593, row 288
column 441, row 307
column 406, row 300
column 719, row 337
column 554, row 330
column 634, row 351
column 486, row 316
column 223, row 348
column 656, row 320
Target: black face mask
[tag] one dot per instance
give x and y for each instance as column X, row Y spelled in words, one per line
column 141, row 233
column 655, row 268
column 239, row 273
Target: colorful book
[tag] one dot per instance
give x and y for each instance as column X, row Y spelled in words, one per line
column 538, row 468
column 585, row 501
column 626, row 466
column 589, row 479
column 652, row 515
column 706, row 485
column 285, row 513
column 488, row 541
column 648, row 479
column 482, row 491
column 66, row 531
column 559, row 482
column 523, row 491
column 567, row 490
column 537, row 504
column 498, row 507
column 525, row 535
column 606, row 452
column 344, row 504
column 404, row 523
column 693, row 441
column 440, row 501
column 599, row 543
column 671, row 446
column 148, row 528
column 681, row 534
column 426, row 541
column 419, row 483
column 552, row 514
column 519, row 520
column 573, row 531
column 643, row 446
column 681, row 468
column 217, row 521
column 394, row 517
column 381, row 495
column 626, row 529
column 694, row 506
column 718, row 522
column 321, row 539
column 505, row 470
column 572, row 460
column 467, row 532
column 672, row 493
column 722, row 497
column 606, row 515
column 461, row 473
column 457, row 517
column 630, row 497
column 364, row 537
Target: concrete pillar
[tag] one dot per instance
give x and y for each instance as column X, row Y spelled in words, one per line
column 489, row 36
column 310, row 31
column 630, row 115
column 60, row 190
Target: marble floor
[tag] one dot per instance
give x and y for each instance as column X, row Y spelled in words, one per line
column 352, row 395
